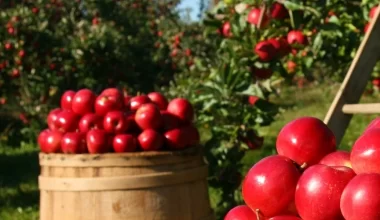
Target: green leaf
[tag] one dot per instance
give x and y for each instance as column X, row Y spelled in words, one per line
column 317, row 43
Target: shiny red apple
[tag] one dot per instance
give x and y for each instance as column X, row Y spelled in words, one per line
column 74, row 143
column 319, row 190
column 254, row 17
column 241, row 212
column 83, row 102
column 337, row 158
column 52, row 119
column 360, row 199
column 176, row 138
column 150, row 140
column 115, row 122
column 98, row 141
column 181, row 108
column 365, row 154
column 67, row 99
column 90, row 121
column 265, row 51
column 105, row 103
column 67, row 121
column 270, row 184
column 169, row 121
column 124, row 143
column 50, row 141
column 148, row 116
column 158, row 99
column 278, row 11
column 137, row 101
column 297, row 37
column 305, row 140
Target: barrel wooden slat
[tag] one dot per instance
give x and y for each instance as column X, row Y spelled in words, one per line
column 138, row 186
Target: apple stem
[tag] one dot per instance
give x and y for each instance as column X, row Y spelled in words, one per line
column 257, row 212
column 303, row 166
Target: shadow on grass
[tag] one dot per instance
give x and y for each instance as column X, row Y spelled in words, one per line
column 18, row 179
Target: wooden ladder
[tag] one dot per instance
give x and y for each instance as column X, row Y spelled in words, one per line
column 346, row 100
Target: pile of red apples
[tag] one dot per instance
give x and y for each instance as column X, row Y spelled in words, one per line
column 115, row 122
column 310, row 179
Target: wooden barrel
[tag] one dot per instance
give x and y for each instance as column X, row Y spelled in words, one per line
column 133, row 186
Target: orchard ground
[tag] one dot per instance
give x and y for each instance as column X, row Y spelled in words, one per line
column 19, row 166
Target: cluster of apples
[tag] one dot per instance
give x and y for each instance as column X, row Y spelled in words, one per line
column 116, row 122
column 309, row 179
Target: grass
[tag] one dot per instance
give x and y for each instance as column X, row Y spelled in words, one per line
column 19, row 166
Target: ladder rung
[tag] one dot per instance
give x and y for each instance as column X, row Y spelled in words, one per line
column 368, row 108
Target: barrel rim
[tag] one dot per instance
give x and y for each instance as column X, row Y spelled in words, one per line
column 132, row 159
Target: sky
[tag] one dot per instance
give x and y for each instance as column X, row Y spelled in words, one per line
column 194, row 5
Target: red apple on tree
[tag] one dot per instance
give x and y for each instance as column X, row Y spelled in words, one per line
column 158, row 99
column 98, row 141
column 241, row 212
column 278, row 11
column 124, row 143
column 137, row 101
column 254, row 17
column 181, row 108
column 360, row 199
column 297, row 37
column 365, row 154
column 73, row 143
column 337, row 158
column 67, row 99
column 265, row 51
column 319, row 190
column 83, row 102
column 50, row 141
column 115, row 122
column 150, row 140
column 226, row 29
column 305, row 140
column 90, row 121
column 52, row 119
column 275, row 175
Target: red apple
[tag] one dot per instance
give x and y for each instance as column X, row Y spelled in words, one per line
column 132, row 125
column 67, row 99
column 67, row 121
column 305, row 140
column 252, row 99
column 319, row 190
column 105, row 103
column 372, row 12
column 360, row 199
column 337, row 158
column 278, row 11
column 98, row 141
column 254, row 17
column 148, row 116
column 112, row 92
column 284, row 46
column 90, row 121
column 365, row 154
column 285, row 217
column 169, row 121
column 73, row 143
column 127, row 100
column 176, row 138
column 52, row 119
column 270, row 184
column 150, row 140
column 181, row 108
column 226, row 29
column 276, row 44
column 297, row 37
column 366, row 27
column 50, row 141
column 124, row 143
column 137, row 101
column 291, row 66
column 375, row 123
column 83, row 102
column 241, row 212
column 158, row 99
column 265, row 51
column 192, row 133
column 115, row 122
